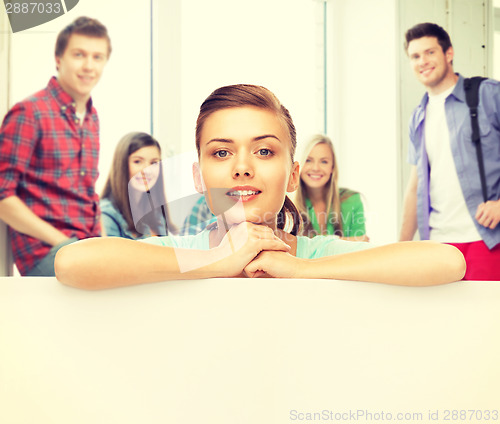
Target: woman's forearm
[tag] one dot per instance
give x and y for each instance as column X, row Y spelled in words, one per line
column 405, row 263
column 100, row 263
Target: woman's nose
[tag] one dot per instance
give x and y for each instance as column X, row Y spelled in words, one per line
column 148, row 170
column 242, row 168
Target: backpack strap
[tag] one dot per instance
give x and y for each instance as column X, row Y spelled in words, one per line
column 471, row 86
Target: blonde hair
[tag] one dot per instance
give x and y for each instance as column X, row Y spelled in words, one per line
column 332, row 194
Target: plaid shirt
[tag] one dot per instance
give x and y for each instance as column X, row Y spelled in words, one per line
column 199, row 218
column 50, row 162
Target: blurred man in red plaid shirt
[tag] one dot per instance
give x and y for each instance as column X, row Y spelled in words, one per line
column 49, row 149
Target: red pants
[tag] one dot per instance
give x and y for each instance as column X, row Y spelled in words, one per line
column 482, row 263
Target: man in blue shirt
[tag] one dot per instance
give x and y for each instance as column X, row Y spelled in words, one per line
column 444, row 198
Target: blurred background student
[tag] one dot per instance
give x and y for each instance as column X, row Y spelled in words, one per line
column 326, row 208
column 133, row 202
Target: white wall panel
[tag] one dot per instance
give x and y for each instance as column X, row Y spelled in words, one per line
column 211, row 44
column 362, row 95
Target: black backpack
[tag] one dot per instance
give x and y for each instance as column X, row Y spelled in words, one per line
column 471, row 86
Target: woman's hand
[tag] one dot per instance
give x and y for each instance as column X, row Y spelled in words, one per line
column 242, row 244
column 275, row 264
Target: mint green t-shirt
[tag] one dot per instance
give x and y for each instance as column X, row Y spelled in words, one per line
column 307, row 248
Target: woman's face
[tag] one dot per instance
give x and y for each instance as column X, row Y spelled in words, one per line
column 144, row 167
column 245, row 160
column 318, row 167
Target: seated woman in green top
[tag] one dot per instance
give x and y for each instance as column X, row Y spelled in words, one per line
column 326, row 208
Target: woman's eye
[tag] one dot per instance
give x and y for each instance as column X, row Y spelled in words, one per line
column 265, row 152
column 221, row 153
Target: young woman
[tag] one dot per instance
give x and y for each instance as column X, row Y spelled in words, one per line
column 133, row 203
column 246, row 143
column 326, row 208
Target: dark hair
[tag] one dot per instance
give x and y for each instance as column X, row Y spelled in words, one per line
column 116, row 187
column 83, row 26
column 428, row 30
column 244, row 95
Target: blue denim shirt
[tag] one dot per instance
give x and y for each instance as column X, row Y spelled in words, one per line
column 115, row 225
column 463, row 152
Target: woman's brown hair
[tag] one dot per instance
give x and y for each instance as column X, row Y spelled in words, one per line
column 244, row 95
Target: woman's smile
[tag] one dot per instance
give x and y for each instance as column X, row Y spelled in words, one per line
column 243, row 193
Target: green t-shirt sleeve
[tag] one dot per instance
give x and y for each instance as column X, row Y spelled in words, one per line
column 353, row 216
column 337, row 247
column 160, row 241
column 198, row 241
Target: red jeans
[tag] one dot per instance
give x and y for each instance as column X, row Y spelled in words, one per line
column 482, row 263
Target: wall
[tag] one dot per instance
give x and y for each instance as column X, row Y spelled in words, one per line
column 204, row 45
column 363, row 98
